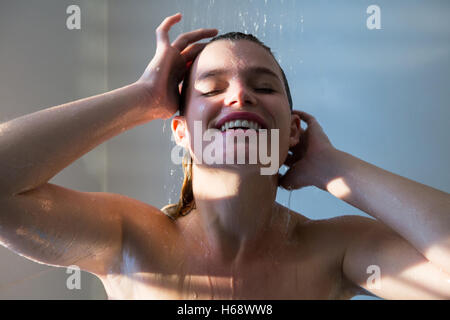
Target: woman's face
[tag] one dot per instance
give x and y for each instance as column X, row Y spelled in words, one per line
column 229, row 77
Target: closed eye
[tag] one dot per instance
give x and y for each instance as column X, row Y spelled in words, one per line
column 207, row 94
column 265, row 90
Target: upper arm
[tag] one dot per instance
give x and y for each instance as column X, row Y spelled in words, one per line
column 62, row 227
column 380, row 261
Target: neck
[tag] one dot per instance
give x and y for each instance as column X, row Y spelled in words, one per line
column 235, row 208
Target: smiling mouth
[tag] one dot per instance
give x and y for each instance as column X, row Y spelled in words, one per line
column 241, row 120
column 240, row 124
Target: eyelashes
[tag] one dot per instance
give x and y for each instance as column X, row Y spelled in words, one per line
column 262, row 90
column 266, row 90
column 208, row 94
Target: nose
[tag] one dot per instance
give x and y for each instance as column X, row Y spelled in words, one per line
column 239, row 95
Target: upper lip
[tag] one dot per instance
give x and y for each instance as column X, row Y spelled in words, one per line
column 241, row 115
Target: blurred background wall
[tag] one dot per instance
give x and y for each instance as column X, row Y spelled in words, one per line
column 44, row 64
column 381, row 95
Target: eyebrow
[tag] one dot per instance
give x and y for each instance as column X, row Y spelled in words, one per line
column 253, row 70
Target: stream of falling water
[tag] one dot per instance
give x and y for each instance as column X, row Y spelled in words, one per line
column 289, row 201
column 279, row 23
column 289, row 211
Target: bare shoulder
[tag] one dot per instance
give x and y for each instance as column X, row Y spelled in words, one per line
column 144, row 226
column 151, row 241
column 341, row 233
column 137, row 213
column 325, row 239
column 328, row 240
column 338, row 230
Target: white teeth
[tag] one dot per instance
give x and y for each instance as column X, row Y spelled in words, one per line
column 240, row 123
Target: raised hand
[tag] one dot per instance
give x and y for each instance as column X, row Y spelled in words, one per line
column 304, row 167
column 168, row 67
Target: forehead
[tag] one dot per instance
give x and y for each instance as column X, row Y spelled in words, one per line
column 235, row 57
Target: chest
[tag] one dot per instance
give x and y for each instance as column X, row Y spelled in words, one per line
column 265, row 280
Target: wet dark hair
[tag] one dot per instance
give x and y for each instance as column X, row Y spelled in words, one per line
column 186, row 202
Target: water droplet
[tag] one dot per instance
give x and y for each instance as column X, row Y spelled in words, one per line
column 211, row 286
column 256, row 27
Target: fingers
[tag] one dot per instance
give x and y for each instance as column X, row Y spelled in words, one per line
column 162, row 32
column 187, row 38
column 292, row 180
column 290, row 160
column 287, row 181
column 192, row 51
column 295, row 155
column 304, row 116
column 309, row 119
column 183, row 40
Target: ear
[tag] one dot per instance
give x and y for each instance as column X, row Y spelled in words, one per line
column 179, row 130
column 296, row 130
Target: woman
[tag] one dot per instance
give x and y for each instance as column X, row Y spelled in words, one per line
column 227, row 238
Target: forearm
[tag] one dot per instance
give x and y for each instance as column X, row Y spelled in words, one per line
column 36, row 146
column 419, row 213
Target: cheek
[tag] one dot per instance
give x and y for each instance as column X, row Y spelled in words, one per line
column 202, row 110
column 196, row 108
column 197, row 116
